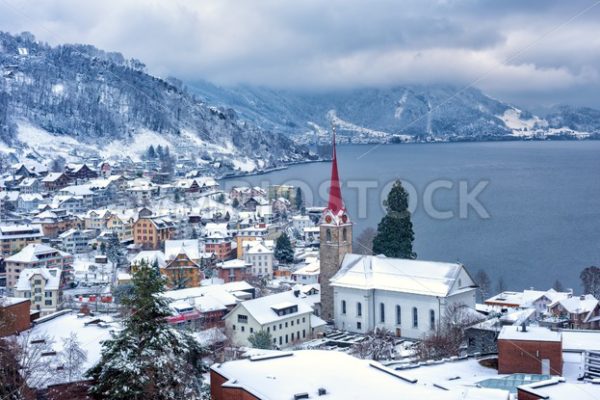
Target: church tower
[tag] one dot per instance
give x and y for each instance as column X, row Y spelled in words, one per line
column 335, row 238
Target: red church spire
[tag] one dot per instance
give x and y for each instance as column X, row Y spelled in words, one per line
column 335, row 192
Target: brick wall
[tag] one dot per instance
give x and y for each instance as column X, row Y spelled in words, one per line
column 523, row 395
column 217, row 392
column 525, row 356
column 16, row 318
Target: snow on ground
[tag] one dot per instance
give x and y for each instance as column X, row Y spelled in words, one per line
column 58, row 89
column 198, row 142
column 49, row 145
column 400, row 107
column 520, row 127
column 142, row 139
column 348, row 126
column 246, row 165
column 90, row 337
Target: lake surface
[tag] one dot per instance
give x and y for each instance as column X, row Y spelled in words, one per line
column 540, row 219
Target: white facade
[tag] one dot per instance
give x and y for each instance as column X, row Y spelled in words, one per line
column 259, row 254
column 406, row 297
column 42, row 287
column 288, row 317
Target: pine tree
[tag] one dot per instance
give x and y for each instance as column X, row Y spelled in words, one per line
column 283, row 249
column 558, row 286
column 148, row 359
column 590, row 279
column 299, row 201
column 150, row 153
column 261, row 340
column 395, row 231
column 235, row 203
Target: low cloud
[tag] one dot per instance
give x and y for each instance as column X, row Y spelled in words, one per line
column 528, row 52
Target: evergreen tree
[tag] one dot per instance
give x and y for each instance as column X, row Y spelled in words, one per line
column 235, row 203
column 501, row 286
column 148, row 359
column 261, row 340
column 283, row 249
column 299, row 201
column 150, row 153
column 558, row 286
column 395, row 231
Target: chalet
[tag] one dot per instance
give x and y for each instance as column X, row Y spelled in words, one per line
column 182, row 272
column 80, row 172
column 29, row 186
column 235, row 270
column 55, row 181
column 576, row 312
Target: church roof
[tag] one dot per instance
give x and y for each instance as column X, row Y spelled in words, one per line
column 335, row 203
column 430, row 278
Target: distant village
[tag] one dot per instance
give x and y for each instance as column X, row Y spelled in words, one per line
column 274, row 288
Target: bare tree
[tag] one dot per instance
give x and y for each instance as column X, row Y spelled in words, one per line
column 378, row 344
column 364, row 242
column 73, row 358
column 483, row 281
column 500, row 286
column 447, row 340
column 590, row 278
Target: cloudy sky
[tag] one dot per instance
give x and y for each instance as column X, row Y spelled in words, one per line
column 526, row 51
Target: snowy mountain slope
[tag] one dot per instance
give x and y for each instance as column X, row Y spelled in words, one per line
column 433, row 112
column 75, row 99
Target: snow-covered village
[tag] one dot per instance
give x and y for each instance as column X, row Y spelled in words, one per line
column 173, row 238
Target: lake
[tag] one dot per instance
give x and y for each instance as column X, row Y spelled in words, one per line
column 533, row 216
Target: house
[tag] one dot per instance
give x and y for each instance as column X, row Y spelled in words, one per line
column 311, row 234
column 287, row 316
column 149, row 257
column 259, row 254
column 29, row 202
column 13, row 238
column 97, row 219
column 181, row 271
column 55, row 181
column 32, row 256
column 56, row 221
column 43, row 286
column 282, row 191
column 309, row 272
column 151, row 232
column 121, row 223
column 15, row 312
column 577, row 312
column 235, row 270
column 105, row 169
column 256, row 232
column 299, row 222
column 76, row 241
column 404, row 296
column 218, row 241
column 529, row 350
column 536, row 299
column 332, row 375
column 80, row 172
column 29, row 186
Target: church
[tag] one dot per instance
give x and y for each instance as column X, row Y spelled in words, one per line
column 362, row 292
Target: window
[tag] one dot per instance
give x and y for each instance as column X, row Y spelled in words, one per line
column 286, row 324
column 286, row 339
column 280, row 340
column 381, row 312
column 415, row 318
column 251, row 330
column 358, row 326
column 292, row 322
column 303, row 319
column 343, row 306
column 398, row 315
column 280, row 326
column 328, row 235
column 303, row 333
column 243, row 328
column 431, row 319
column 243, row 319
column 359, row 309
column 48, row 302
column 274, row 328
column 345, row 235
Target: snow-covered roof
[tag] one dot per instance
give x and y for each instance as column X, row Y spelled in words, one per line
column 281, row 375
column 558, row 388
column 578, row 304
column 149, row 256
column 190, row 247
column 50, row 275
column 36, row 252
column 584, row 340
column 257, row 246
column 14, row 231
column 400, row 275
column 525, row 298
column 263, row 309
column 535, row 333
column 233, row 264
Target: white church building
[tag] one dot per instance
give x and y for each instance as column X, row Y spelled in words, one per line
column 404, row 296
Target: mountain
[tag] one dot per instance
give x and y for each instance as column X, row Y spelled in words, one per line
column 77, row 100
column 406, row 113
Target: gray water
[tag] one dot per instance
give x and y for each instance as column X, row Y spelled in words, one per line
column 543, row 201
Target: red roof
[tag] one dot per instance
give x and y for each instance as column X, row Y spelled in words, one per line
column 335, row 203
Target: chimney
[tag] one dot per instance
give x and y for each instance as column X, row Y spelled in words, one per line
column 582, row 297
column 297, row 292
column 524, row 326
